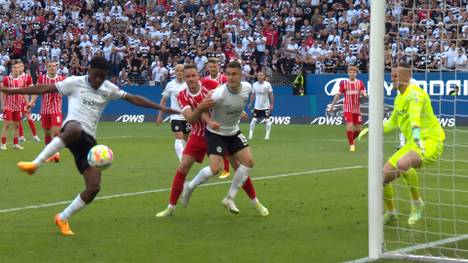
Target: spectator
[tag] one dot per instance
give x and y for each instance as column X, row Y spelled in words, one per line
column 160, row 74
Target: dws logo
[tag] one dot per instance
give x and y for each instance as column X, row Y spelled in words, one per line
column 333, row 86
column 131, row 118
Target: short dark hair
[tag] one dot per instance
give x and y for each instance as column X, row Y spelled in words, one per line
column 190, row 66
column 234, row 64
column 213, row 60
column 99, row 62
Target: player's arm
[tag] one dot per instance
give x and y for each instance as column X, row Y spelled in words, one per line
column 34, row 89
column 391, row 124
column 335, row 99
column 414, row 112
column 271, row 97
column 252, row 99
column 213, row 124
column 192, row 115
column 146, row 103
column 160, row 114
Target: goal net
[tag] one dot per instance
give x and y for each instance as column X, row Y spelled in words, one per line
column 431, row 36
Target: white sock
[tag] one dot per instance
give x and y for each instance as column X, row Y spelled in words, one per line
column 74, row 207
column 402, row 140
column 252, row 127
column 179, row 146
column 171, row 206
column 254, row 201
column 54, row 146
column 268, row 128
column 238, row 180
column 201, row 177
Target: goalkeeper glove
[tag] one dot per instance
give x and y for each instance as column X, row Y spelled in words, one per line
column 417, row 138
column 363, row 134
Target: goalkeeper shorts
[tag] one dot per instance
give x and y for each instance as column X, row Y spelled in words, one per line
column 432, row 151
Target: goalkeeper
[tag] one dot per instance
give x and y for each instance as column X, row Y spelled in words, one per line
column 414, row 117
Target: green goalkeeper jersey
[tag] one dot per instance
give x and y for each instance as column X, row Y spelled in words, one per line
column 413, row 109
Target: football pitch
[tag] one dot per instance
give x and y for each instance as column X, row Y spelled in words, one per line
column 315, row 189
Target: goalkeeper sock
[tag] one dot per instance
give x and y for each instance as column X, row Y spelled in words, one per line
column 412, row 179
column 350, row 135
column 388, row 198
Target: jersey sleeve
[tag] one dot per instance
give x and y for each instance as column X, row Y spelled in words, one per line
column 5, row 82
column 66, row 86
column 40, row 80
column 342, row 87
column 210, row 84
column 183, row 102
column 391, row 124
column 270, row 88
column 416, row 100
column 29, row 81
column 167, row 91
column 116, row 92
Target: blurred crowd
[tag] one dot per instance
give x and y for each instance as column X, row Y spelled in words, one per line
column 144, row 40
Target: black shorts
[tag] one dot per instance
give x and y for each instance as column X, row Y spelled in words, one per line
column 80, row 149
column 180, row 126
column 225, row 145
column 261, row 114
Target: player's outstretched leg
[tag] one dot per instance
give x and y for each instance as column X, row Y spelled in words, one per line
column 92, row 178
column 203, row 175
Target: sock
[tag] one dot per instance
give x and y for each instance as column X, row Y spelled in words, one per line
column 177, row 187
column 75, row 206
column 3, row 140
column 249, row 188
column 201, row 177
column 226, row 164
column 389, row 202
column 32, row 126
column 20, row 129
column 252, row 127
column 412, row 178
column 15, row 140
column 179, row 146
column 356, row 134
column 54, row 146
column 268, row 128
column 350, row 135
column 47, row 139
column 240, row 176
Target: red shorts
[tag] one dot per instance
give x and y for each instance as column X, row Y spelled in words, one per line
column 354, row 118
column 11, row 115
column 51, row 120
column 196, row 147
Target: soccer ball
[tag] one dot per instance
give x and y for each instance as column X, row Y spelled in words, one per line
column 100, row 157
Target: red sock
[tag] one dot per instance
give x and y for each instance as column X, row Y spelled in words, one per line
column 32, row 126
column 249, row 188
column 15, row 140
column 177, row 187
column 47, row 139
column 356, row 134
column 350, row 135
column 226, row 164
column 3, row 140
column 20, row 129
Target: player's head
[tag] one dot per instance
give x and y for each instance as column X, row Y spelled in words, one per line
column 52, row 66
column 352, row 72
column 97, row 71
column 191, row 75
column 261, row 76
column 179, row 71
column 213, row 66
column 401, row 76
column 15, row 68
column 20, row 64
column 234, row 73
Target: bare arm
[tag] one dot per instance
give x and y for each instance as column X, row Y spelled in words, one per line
column 146, row 103
column 163, row 103
column 252, row 99
column 335, row 99
column 213, row 124
column 272, row 100
column 35, row 89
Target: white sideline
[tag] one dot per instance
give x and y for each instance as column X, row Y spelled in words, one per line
column 8, row 210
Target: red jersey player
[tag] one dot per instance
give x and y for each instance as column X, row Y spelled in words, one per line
column 192, row 103
column 352, row 89
column 214, row 74
column 51, row 106
column 27, row 105
column 12, row 105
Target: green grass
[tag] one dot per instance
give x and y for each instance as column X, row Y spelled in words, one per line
column 314, row 216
